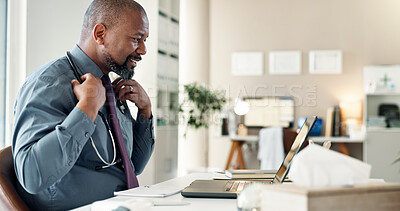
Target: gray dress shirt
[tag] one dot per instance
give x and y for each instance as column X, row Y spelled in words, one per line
column 54, row 160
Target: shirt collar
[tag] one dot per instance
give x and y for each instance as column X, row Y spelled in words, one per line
column 84, row 63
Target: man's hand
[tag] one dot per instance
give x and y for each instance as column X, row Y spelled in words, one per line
column 91, row 94
column 136, row 94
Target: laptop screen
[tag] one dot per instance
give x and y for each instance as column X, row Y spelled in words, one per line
column 298, row 142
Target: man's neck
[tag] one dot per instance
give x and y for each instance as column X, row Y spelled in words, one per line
column 91, row 52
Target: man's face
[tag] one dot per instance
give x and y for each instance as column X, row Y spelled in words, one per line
column 125, row 43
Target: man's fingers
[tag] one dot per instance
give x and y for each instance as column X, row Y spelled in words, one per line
column 118, row 86
column 116, row 81
column 74, row 82
column 123, row 93
column 86, row 76
column 134, row 97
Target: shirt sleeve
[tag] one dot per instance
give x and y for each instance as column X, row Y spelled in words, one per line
column 143, row 142
column 48, row 137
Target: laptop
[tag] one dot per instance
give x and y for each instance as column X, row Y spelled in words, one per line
column 231, row 188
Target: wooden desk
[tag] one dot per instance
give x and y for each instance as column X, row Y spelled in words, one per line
column 237, row 143
column 340, row 140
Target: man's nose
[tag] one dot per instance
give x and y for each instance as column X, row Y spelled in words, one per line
column 141, row 48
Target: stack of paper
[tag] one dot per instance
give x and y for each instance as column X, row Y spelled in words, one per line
column 250, row 174
column 122, row 203
column 150, row 191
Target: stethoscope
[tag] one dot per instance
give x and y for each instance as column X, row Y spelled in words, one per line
column 113, row 162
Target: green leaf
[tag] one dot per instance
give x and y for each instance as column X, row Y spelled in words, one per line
column 204, row 102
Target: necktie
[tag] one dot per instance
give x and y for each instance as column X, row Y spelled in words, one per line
column 130, row 175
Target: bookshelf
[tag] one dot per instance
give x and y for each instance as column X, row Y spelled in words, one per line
column 159, row 73
column 382, row 144
column 166, row 151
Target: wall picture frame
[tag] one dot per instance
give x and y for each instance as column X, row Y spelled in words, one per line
column 285, row 62
column 247, row 63
column 325, row 62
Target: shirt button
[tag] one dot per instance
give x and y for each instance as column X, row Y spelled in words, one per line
column 86, row 135
column 70, row 163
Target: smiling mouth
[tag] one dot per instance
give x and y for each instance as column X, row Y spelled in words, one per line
column 133, row 62
column 126, row 71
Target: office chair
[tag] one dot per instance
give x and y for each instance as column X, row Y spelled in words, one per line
column 9, row 198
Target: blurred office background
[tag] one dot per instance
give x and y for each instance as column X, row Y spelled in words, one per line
column 193, row 41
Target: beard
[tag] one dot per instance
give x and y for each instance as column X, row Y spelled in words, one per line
column 123, row 70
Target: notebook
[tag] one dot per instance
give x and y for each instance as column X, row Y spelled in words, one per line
column 250, row 174
column 231, row 188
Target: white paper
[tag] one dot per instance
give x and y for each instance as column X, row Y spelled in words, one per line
column 149, row 191
column 318, row 166
column 115, row 202
column 220, row 176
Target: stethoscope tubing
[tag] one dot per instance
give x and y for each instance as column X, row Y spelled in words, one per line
column 103, row 118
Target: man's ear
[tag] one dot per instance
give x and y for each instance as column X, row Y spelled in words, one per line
column 99, row 32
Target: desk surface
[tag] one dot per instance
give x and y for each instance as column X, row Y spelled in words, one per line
column 196, row 204
column 334, row 139
column 244, row 138
column 317, row 139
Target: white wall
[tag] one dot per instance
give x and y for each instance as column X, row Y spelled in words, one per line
column 53, row 27
column 39, row 31
column 367, row 31
column 193, row 67
column 3, row 44
column 16, row 58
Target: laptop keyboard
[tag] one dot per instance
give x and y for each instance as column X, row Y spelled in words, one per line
column 238, row 186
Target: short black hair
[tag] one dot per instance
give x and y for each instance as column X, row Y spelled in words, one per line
column 107, row 12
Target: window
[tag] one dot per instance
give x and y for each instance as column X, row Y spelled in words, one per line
column 3, row 42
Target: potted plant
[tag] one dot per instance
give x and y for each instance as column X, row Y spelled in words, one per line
column 199, row 104
column 198, row 107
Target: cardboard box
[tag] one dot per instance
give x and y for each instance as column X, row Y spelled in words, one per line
column 373, row 196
